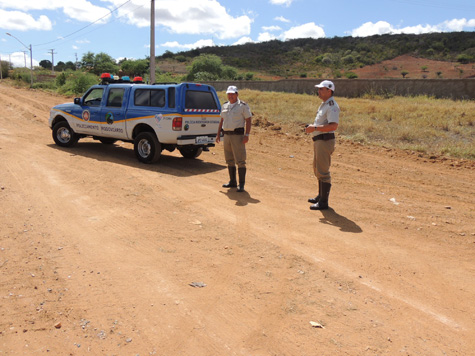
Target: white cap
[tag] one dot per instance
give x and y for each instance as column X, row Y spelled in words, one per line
column 326, row 84
column 231, row 89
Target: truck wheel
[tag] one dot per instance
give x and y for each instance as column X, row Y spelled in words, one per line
column 190, row 152
column 63, row 135
column 108, row 141
column 147, row 148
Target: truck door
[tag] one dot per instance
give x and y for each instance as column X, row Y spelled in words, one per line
column 90, row 112
column 112, row 117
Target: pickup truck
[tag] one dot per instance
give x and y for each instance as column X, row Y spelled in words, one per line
column 153, row 117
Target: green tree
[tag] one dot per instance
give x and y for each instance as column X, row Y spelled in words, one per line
column 404, row 73
column 5, row 67
column 46, row 64
column 228, row 72
column 104, row 63
column 207, row 65
column 99, row 63
column 134, row 67
column 464, row 58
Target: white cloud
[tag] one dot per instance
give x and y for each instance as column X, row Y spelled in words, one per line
column 266, row 36
column 18, row 59
column 281, row 2
column 383, row 27
column 457, row 25
column 20, row 21
column 27, row 5
column 197, row 44
column 243, row 40
column 281, row 19
column 193, row 17
column 308, row 30
column 80, row 10
column 271, row 28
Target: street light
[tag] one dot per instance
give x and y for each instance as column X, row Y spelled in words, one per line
column 31, row 56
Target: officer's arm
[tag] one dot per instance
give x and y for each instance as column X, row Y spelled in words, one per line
column 332, row 126
column 218, row 135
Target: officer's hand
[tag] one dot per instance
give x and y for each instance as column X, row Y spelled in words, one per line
column 218, row 139
column 245, row 139
column 310, row 128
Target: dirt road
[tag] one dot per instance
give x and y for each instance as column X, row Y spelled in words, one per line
column 98, row 251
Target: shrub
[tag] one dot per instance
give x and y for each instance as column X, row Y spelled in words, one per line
column 351, row 75
column 77, row 83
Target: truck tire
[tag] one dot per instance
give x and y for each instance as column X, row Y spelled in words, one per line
column 147, row 148
column 63, row 135
column 190, row 152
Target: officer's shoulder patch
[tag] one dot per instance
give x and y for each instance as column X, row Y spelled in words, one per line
column 331, row 103
column 243, row 102
column 226, row 102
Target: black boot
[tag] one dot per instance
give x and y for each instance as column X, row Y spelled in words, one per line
column 242, row 178
column 323, row 202
column 232, row 178
column 317, row 198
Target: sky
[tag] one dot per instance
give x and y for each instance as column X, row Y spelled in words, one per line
column 65, row 30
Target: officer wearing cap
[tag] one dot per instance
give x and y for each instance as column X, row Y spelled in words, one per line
column 323, row 136
column 235, row 125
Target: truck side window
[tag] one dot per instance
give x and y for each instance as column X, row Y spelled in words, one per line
column 171, row 97
column 150, row 97
column 115, row 97
column 94, row 97
column 142, row 97
column 200, row 100
column 157, row 98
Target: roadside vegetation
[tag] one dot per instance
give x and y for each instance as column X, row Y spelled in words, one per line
column 439, row 127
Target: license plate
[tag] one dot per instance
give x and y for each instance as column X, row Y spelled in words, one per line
column 201, row 140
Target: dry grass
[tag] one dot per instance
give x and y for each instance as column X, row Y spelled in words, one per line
column 423, row 124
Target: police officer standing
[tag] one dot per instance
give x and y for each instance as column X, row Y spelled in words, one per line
column 236, row 126
column 323, row 135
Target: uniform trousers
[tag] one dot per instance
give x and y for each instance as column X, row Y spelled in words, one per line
column 322, row 159
column 234, row 151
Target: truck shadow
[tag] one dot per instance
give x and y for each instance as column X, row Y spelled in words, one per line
column 168, row 164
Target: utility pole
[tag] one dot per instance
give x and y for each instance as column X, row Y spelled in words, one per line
column 52, row 60
column 152, row 42
column 31, row 57
column 76, row 60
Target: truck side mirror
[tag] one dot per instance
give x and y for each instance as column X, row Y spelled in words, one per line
column 77, row 101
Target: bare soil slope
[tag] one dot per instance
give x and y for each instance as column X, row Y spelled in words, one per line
column 98, row 253
column 417, row 68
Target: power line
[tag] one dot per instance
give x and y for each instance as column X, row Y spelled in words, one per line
column 88, row 25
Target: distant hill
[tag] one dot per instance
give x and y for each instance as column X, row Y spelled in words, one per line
column 434, row 55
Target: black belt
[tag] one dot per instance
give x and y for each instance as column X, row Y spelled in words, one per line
column 324, row 137
column 238, row 131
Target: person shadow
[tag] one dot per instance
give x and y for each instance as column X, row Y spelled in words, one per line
column 331, row 217
column 242, row 199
